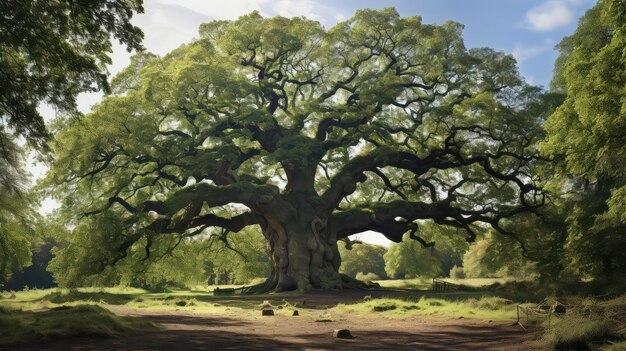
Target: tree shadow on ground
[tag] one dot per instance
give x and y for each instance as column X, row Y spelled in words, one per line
column 74, row 296
column 222, row 333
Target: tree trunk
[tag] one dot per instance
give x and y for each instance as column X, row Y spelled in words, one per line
column 607, row 267
column 303, row 256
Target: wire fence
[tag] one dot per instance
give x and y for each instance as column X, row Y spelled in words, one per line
column 531, row 316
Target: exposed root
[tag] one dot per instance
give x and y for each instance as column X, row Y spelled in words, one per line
column 348, row 282
column 270, row 285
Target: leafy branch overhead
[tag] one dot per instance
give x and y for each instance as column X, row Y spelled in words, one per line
column 50, row 51
column 311, row 134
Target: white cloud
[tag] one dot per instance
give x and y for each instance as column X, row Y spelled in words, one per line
column 550, row 15
column 308, row 8
column 228, row 9
column 232, row 9
column 522, row 52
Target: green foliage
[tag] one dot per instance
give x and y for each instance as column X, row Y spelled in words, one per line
column 410, row 259
column 367, row 277
column 14, row 248
column 245, row 260
column 362, row 258
column 585, row 135
column 80, row 254
column 575, row 332
column 493, row 257
column 17, row 220
column 50, row 51
column 457, row 272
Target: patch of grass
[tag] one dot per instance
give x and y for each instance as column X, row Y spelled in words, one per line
column 619, row 346
column 17, row 326
column 575, row 332
column 325, row 318
column 484, row 307
column 411, row 284
column 61, row 297
column 493, row 303
column 479, row 282
column 266, row 304
column 594, row 323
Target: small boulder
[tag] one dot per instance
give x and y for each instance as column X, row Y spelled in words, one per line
column 295, row 313
column 342, row 334
column 267, row 312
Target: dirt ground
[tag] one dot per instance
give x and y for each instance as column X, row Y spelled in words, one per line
column 234, row 330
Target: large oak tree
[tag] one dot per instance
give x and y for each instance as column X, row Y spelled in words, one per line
column 311, row 134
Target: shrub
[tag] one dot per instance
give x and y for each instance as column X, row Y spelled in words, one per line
column 574, row 332
column 457, row 272
column 367, row 277
column 489, row 303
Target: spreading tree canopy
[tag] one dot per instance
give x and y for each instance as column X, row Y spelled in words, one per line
column 311, row 134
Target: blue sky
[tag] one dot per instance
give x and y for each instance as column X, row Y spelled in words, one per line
column 527, row 29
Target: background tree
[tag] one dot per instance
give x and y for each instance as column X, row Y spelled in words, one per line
column 492, row 257
column 587, row 135
column 16, row 214
column 238, row 259
column 185, row 263
column 312, row 134
column 36, row 275
column 50, row 51
column 408, row 259
column 362, row 258
column 184, row 267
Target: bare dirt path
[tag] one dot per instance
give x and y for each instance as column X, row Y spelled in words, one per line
column 233, row 330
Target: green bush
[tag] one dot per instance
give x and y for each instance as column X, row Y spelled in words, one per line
column 457, row 272
column 367, row 277
column 490, row 303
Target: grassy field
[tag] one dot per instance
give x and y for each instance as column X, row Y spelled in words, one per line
column 489, row 308
column 39, row 314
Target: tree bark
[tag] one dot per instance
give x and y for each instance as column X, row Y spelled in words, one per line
column 304, row 255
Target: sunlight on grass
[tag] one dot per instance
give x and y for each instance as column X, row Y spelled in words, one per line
column 492, row 308
column 415, row 283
